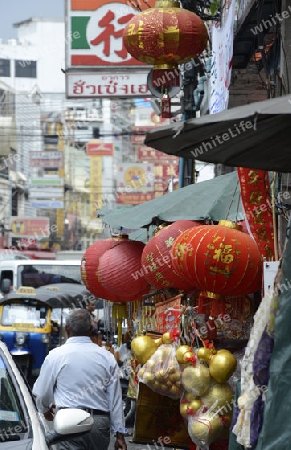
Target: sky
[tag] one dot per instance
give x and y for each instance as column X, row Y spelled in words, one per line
column 13, row 11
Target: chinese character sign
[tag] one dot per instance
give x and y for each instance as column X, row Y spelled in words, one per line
column 95, row 185
column 95, row 29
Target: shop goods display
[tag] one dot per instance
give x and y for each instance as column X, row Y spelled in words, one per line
column 120, row 270
column 162, row 372
column 218, row 259
column 156, row 257
column 165, row 36
column 89, row 269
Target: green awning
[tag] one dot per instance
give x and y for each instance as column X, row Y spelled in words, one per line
column 215, row 199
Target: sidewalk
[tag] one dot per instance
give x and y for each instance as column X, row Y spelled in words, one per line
column 134, row 446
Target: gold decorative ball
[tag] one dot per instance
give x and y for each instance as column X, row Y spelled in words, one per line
column 222, row 365
column 180, row 352
column 195, row 405
column 196, row 379
column 143, row 347
column 148, row 377
column 167, row 338
column 207, row 428
column 204, row 353
column 189, row 396
column 174, row 377
column 219, row 398
column 183, row 409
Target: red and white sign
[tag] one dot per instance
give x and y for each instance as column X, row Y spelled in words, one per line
column 94, row 30
column 90, row 85
column 99, row 148
column 135, row 198
column 151, row 155
column 27, row 226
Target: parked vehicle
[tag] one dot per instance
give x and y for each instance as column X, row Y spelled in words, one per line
column 32, row 321
column 14, row 274
column 20, row 421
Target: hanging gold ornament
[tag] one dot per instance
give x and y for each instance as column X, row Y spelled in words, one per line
column 143, row 347
column 196, row 379
column 206, row 428
column 219, row 398
column 180, row 353
column 204, row 353
column 222, row 365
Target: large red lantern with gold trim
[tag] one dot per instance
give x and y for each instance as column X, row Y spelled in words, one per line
column 165, row 36
column 89, row 269
column 219, row 259
column 156, row 258
column 120, row 271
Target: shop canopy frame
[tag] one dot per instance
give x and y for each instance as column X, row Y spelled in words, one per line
column 256, row 135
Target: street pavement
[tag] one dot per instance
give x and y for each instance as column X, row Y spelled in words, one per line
column 134, row 446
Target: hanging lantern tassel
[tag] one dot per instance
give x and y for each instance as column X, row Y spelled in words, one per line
column 166, row 107
column 119, row 313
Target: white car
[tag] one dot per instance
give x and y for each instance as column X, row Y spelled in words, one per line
column 21, row 425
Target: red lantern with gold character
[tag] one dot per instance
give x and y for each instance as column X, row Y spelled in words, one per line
column 219, row 259
column 156, row 258
column 165, row 36
column 120, row 270
column 89, row 269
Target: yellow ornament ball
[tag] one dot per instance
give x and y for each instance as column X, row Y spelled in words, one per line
column 222, row 365
column 196, row 379
column 166, row 338
column 180, row 353
column 183, row 409
column 206, row 428
column 219, row 398
column 204, row 353
column 143, row 347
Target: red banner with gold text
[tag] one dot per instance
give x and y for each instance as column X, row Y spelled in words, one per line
column 256, row 200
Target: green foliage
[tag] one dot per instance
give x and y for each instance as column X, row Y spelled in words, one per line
column 214, row 7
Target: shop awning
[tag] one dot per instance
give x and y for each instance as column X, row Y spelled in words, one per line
column 215, row 199
column 255, row 135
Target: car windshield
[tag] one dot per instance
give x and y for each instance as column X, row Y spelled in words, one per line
column 13, row 423
column 37, row 275
column 21, row 315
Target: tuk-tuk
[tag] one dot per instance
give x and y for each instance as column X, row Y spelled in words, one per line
column 32, row 321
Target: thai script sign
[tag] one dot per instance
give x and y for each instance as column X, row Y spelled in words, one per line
column 89, row 85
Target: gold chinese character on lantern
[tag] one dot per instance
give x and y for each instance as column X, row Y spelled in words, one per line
column 223, row 253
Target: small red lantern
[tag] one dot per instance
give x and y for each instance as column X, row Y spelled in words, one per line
column 120, row 270
column 89, row 269
column 165, row 36
column 156, row 258
column 219, row 259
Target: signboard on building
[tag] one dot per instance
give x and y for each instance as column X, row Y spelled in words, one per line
column 94, row 42
column 48, row 192
column 107, row 84
column 47, row 180
column 47, row 159
column 95, row 185
column 135, row 178
column 134, row 198
column 47, row 204
column 29, row 227
column 99, row 148
column 149, row 154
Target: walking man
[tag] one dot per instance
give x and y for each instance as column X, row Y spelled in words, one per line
column 80, row 374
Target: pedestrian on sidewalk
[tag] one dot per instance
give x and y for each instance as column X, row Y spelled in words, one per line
column 80, row 374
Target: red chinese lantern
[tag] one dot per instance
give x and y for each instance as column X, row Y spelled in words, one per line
column 165, row 36
column 120, row 270
column 156, row 258
column 219, row 259
column 89, row 269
